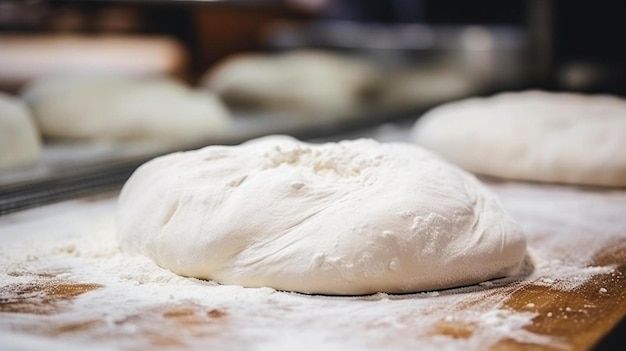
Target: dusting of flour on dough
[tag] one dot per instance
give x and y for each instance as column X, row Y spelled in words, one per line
column 347, row 218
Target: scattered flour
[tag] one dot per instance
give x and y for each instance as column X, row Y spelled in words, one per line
column 133, row 304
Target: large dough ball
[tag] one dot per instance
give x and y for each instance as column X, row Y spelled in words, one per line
column 353, row 217
column 306, row 83
column 118, row 108
column 532, row 135
column 19, row 138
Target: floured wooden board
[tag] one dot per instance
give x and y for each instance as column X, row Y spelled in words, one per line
column 64, row 285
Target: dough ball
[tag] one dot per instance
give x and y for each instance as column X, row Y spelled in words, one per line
column 19, row 138
column 124, row 108
column 307, row 83
column 354, row 217
column 26, row 57
column 532, row 135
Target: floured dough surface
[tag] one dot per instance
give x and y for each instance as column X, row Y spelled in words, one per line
column 96, row 107
column 307, row 83
column 532, row 135
column 353, row 217
column 19, row 138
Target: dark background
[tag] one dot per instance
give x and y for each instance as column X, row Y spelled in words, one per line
column 569, row 39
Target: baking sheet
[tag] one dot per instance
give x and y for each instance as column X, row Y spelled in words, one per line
column 65, row 284
column 68, row 170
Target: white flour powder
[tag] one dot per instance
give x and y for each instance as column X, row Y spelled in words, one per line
column 141, row 306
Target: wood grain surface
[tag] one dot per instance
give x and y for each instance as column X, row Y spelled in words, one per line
column 582, row 317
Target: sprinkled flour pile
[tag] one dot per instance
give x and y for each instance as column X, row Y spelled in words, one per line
column 65, row 284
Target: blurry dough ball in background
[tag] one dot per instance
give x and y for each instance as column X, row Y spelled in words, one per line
column 311, row 83
column 123, row 108
column 532, row 135
column 19, row 139
column 24, row 58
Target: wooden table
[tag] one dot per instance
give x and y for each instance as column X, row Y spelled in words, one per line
column 65, row 285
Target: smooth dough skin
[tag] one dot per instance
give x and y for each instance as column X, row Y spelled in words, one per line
column 533, row 135
column 307, row 83
column 101, row 108
column 20, row 143
column 347, row 218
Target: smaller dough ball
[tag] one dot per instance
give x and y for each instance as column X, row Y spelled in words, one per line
column 533, row 135
column 100, row 108
column 25, row 57
column 19, row 138
column 310, row 83
column 348, row 218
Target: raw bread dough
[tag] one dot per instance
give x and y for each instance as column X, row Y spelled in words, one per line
column 353, row 217
column 116, row 108
column 19, row 138
column 26, row 57
column 532, row 135
column 306, row 83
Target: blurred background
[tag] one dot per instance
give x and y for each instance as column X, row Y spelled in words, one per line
column 420, row 52
column 540, row 43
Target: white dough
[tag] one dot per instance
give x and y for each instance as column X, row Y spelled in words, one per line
column 307, row 83
column 532, row 135
column 118, row 108
column 353, row 217
column 19, row 138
